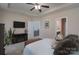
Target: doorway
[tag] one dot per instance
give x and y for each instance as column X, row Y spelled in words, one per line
column 63, row 26
column 60, row 28
column 33, row 29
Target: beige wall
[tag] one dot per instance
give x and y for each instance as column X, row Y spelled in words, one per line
column 44, row 32
column 8, row 17
column 72, row 22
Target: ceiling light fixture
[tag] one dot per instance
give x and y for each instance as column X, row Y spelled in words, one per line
column 37, row 6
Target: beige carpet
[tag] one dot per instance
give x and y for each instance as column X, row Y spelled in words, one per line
column 14, row 49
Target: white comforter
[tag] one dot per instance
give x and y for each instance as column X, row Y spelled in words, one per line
column 41, row 47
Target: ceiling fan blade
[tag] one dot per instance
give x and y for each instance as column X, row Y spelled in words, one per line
column 30, row 3
column 32, row 8
column 36, row 4
column 44, row 6
column 40, row 10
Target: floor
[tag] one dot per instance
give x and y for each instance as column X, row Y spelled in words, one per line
column 14, row 49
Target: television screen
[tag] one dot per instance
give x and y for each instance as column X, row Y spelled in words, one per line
column 18, row 24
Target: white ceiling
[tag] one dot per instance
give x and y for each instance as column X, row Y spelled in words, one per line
column 25, row 8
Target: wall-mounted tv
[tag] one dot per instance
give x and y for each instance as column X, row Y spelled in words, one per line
column 18, row 24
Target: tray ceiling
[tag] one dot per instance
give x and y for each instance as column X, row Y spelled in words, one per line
column 25, row 8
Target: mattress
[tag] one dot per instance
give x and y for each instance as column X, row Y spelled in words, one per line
column 41, row 47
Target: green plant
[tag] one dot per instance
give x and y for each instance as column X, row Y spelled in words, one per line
column 8, row 37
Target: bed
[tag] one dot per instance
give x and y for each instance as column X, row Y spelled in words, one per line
column 40, row 47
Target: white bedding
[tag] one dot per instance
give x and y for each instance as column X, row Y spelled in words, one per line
column 41, row 47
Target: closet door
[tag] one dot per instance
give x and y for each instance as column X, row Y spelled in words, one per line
column 2, row 39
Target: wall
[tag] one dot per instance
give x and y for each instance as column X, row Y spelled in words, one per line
column 8, row 17
column 44, row 32
column 72, row 23
column 72, row 16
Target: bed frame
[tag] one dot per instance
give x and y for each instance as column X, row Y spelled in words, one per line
column 31, row 41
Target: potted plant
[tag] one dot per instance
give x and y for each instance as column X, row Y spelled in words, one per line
column 8, row 37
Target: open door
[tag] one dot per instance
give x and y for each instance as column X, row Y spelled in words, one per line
column 63, row 26
column 60, row 28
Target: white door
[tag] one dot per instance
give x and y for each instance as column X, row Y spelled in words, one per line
column 33, row 29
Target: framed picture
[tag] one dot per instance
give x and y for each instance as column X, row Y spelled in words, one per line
column 46, row 24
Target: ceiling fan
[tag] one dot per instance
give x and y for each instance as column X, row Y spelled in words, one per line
column 37, row 6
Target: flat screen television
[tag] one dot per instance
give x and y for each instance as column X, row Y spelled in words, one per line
column 18, row 24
